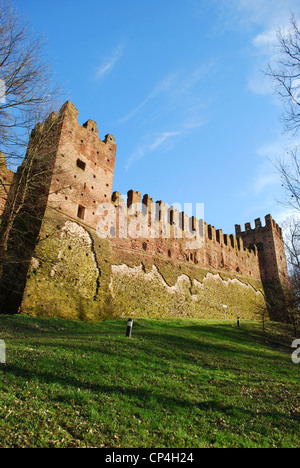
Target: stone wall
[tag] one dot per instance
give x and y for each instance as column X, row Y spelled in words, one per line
column 268, row 241
column 75, row 274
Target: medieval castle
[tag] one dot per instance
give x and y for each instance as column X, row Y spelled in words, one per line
column 70, row 247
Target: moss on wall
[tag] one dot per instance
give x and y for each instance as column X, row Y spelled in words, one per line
column 137, row 293
column 74, row 274
column 64, row 276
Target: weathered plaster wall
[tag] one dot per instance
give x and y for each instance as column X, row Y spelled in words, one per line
column 76, row 275
column 138, row 293
column 64, row 275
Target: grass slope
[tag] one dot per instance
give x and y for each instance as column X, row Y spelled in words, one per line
column 175, row 383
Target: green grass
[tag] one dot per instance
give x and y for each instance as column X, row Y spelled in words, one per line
column 175, row 383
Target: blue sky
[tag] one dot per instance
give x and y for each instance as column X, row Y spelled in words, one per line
column 179, row 84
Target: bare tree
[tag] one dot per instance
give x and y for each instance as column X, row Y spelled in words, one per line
column 287, row 303
column 291, row 228
column 27, row 91
column 286, row 74
column 289, row 170
column 27, row 96
column 294, row 299
column 25, row 210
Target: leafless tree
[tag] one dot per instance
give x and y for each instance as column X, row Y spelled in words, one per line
column 294, row 298
column 290, row 304
column 27, row 96
column 291, row 228
column 25, row 210
column 27, row 91
column 289, row 170
column 286, row 74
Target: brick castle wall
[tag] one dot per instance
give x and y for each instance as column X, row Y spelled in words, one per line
column 136, row 230
column 268, row 241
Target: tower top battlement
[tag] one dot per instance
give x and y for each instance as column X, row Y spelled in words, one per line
column 270, row 224
column 269, row 241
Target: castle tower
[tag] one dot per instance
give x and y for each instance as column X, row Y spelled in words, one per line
column 68, row 169
column 269, row 242
column 84, row 168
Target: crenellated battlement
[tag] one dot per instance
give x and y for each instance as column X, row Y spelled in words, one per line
column 160, row 212
column 270, row 224
column 155, row 228
column 268, row 241
column 228, row 240
column 174, row 223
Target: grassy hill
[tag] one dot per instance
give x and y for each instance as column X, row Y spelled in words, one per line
column 175, row 383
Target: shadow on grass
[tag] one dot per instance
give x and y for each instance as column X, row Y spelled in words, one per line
column 276, row 336
column 143, row 395
column 151, row 353
column 33, row 327
column 225, row 332
column 146, row 399
column 160, row 349
column 207, row 346
column 218, row 345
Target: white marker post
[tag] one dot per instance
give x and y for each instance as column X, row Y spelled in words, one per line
column 129, row 328
column 2, row 352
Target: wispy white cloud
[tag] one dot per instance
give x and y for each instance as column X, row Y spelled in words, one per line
column 265, row 187
column 267, row 174
column 262, row 19
column 161, row 87
column 283, row 213
column 276, row 18
column 265, row 180
column 262, row 13
column 265, row 48
column 176, row 98
column 163, row 140
column 266, row 40
column 172, row 87
column 108, row 63
column 149, row 147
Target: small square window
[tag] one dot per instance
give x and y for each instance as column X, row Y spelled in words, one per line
column 81, row 164
column 81, row 212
